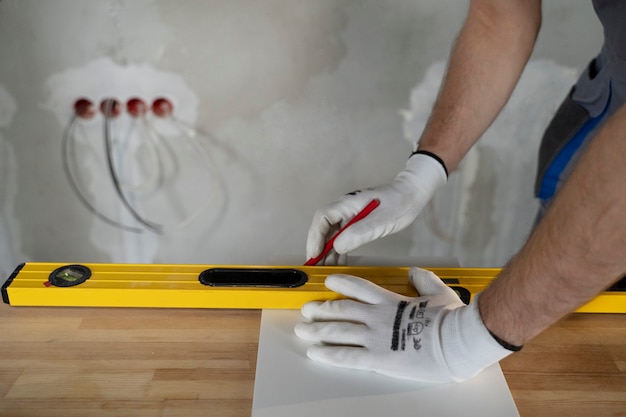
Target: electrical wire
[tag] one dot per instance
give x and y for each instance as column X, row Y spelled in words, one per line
column 433, row 222
column 156, row 177
column 164, row 148
column 193, row 136
column 108, row 147
column 69, row 153
column 162, row 166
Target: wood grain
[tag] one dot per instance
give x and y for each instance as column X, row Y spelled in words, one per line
column 575, row 368
column 163, row 362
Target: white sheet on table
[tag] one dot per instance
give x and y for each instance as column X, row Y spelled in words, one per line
column 289, row 384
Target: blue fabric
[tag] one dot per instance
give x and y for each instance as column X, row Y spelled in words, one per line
column 553, row 173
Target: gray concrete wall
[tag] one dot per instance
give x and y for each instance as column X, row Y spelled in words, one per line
column 298, row 102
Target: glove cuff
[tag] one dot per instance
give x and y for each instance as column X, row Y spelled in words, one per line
column 434, row 156
column 468, row 346
column 424, row 173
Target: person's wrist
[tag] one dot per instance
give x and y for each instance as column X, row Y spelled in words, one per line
column 501, row 341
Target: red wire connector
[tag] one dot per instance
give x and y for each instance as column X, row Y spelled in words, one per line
column 110, row 107
column 162, row 107
column 136, row 107
column 84, row 108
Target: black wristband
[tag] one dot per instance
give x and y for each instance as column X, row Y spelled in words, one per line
column 435, row 157
column 504, row 344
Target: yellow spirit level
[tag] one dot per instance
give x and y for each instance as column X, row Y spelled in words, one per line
column 227, row 286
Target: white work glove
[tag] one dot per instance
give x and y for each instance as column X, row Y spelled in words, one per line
column 431, row 338
column 400, row 203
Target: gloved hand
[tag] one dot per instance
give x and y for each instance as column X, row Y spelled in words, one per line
column 434, row 337
column 400, row 203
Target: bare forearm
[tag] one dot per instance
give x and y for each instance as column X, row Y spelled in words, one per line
column 485, row 64
column 574, row 253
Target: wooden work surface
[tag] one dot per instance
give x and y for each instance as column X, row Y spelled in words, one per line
column 161, row 362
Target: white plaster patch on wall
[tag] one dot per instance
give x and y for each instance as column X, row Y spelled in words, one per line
column 423, row 98
column 514, row 140
column 10, row 241
column 105, row 78
column 487, row 208
column 174, row 201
